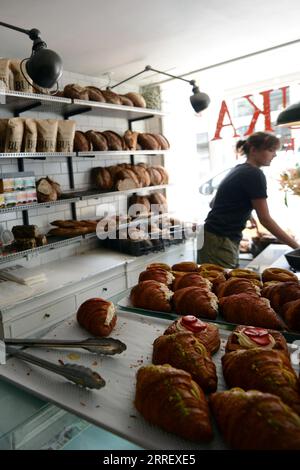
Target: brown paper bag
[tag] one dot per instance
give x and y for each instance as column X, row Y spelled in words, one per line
column 46, row 135
column 6, row 76
column 20, row 83
column 30, row 136
column 65, row 136
column 14, row 135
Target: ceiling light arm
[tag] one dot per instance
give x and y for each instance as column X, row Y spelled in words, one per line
column 33, row 33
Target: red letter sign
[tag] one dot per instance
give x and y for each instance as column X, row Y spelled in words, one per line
column 220, row 125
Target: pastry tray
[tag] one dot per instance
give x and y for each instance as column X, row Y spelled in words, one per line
column 111, row 407
column 125, row 304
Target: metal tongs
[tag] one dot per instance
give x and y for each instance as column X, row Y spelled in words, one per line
column 78, row 374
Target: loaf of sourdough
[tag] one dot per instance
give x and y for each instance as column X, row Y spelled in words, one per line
column 75, row 91
column 126, row 179
column 114, row 140
column 142, row 175
column 101, row 178
column 148, row 142
column 95, row 94
column 130, row 138
column 98, row 140
column 125, row 101
column 155, row 176
column 81, row 143
column 143, row 205
column 111, row 97
column 137, row 99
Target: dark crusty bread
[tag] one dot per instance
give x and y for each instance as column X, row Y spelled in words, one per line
column 142, row 201
column 164, row 174
column 102, row 178
column 130, row 139
column 148, row 142
column 125, row 101
column 114, row 140
column 111, row 97
column 155, row 176
column 162, row 140
column 81, row 143
column 142, row 175
column 137, row 99
column 95, row 94
column 98, row 140
column 126, row 179
column 75, row 91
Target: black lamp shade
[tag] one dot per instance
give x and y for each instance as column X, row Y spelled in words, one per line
column 199, row 100
column 289, row 116
column 44, row 67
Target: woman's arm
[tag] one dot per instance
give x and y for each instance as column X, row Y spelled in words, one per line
column 262, row 210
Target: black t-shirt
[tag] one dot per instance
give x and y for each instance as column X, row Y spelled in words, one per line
column 232, row 204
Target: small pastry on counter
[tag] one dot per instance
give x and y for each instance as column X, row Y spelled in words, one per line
column 250, row 309
column 291, row 314
column 185, row 266
column 236, row 285
column 268, row 371
column 152, row 295
column 206, row 333
column 197, row 301
column 184, row 351
column 244, row 273
column 169, row 398
column 191, row 279
column 249, row 337
column 211, row 267
column 160, row 275
column 255, row 421
column 278, row 274
column 97, row 316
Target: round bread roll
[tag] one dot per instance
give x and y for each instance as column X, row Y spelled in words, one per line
column 278, row 274
column 186, row 266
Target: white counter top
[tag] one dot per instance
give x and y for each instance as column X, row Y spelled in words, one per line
column 272, row 256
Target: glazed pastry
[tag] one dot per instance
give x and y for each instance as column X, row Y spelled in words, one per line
column 206, row 333
column 97, row 316
column 186, row 266
column 268, row 371
column 191, row 279
column 197, row 301
column 152, row 295
column 159, row 265
column 211, row 267
column 250, row 309
column 291, row 314
column 255, row 421
column 169, row 398
column 160, row 275
column 244, row 273
column 249, row 337
column 281, row 293
column 236, row 285
column 278, row 274
column 184, row 351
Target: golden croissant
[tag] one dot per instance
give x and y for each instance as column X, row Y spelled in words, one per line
column 206, row 333
column 268, row 371
column 236, row 285
column 151, row 295
column 191, row 279
column 97, row 316
column 158, row 274
column 281, row 293
column 250, row 309
column 197, row 301
column 170, row 399
column 184, row 351
column 255, row 421
column 291, row 314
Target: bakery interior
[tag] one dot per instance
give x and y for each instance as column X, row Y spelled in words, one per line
column 108, row 167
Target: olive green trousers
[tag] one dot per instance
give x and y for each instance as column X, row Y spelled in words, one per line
column 218, row 250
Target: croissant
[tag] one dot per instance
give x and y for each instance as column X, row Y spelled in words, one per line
column 278, row 274
column 235, row 285
column 170, row 399
column 215, row 277
column 184, row 351
column 291, row 314
column 151, row 295
column 244, row 273
column 186, row 266
column 249, row 309
column 97, row 316
column 248, row 337
column 191, row 279
column 268, row 371
column 196, row 301
column 206, row 333
column 255, row 421
column 281, row 293
column 160, row 275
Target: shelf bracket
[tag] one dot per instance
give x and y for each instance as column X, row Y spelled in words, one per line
column 74, row 112
column 143, row 118
column 17, row 112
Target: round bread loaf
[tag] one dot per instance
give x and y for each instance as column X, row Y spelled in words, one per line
column 148, row 142
column 98, row 140
column 75, row 91
column 102, row 178
column 114, row 140
column 111, row 97
column 81, row 143
column 95, row 94
column 137, row 99
column 125, row 101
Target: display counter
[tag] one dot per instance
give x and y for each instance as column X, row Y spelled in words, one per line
column 30, row 423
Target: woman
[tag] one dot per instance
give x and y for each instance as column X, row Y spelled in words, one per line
column 241, row 191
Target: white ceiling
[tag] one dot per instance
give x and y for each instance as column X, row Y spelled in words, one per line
column 120, row 37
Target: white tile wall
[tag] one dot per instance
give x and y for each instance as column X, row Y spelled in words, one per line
column 57, row 167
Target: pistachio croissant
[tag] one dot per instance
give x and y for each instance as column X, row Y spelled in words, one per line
column 170, row 399
column 268, row 371
column 206, row 333
column 184, row 351
column 255, row 421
